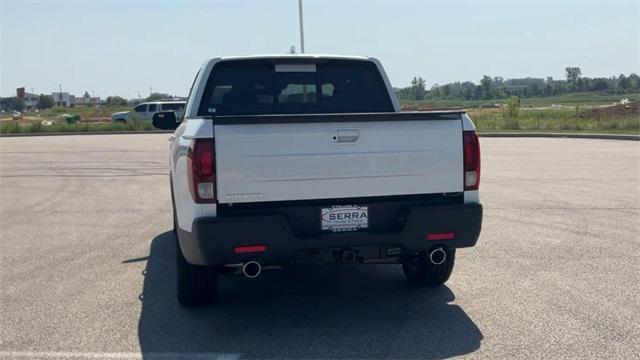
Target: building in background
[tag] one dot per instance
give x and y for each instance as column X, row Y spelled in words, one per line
column 67, row 100
column 30, row 100
column 62, row 99
column 84, row 100
column 87, row 100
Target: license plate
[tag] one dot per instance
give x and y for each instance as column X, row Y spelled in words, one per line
column 345, row 218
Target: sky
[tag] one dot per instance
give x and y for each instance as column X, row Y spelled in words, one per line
column 125, row 47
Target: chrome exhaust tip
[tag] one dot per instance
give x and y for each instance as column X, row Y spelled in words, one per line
column 438, row 256
column 251, row 269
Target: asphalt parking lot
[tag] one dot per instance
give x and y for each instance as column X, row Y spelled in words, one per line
column 88, row 265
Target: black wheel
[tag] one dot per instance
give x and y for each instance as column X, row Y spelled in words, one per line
column 173, row 208
column 175, row 223
column 420, row 271
column 197, row 285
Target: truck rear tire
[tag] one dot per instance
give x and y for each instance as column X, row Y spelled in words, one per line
column 420, row 271
column 197, row 285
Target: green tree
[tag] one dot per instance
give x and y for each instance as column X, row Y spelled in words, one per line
column 536, row 89
column 418, row 88
column 15, row 103
column 87, row 98
column 487, row 84
column 446, row 90
column 600, row 84
column 478, row 92
column 435, row 92
column 159, row 96
column 45, row 101
column 623, row 82
column 468, row 90
column 498, row 87
column 634, row 81
column 116, row 100
column 582, row 84
column 573, row 73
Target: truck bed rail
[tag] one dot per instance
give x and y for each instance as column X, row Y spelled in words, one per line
column 339, row 118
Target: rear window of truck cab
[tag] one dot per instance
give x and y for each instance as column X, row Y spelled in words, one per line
column 258, row 87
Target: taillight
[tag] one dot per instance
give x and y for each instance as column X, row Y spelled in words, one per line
column 202, row 171
column 471, row 147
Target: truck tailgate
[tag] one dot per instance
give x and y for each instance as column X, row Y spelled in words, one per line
column 283, row 160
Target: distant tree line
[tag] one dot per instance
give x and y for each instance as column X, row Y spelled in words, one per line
column 499, row 88
column 120, row 101
column 116, row 100
column 46, row 101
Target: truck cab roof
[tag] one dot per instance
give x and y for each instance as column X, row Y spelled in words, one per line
column 163, row 102
column 292, row 56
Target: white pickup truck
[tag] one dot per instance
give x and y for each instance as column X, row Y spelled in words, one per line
column 307, row 158
column 145, row 111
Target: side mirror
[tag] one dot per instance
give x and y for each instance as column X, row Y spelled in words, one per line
column 165, row 120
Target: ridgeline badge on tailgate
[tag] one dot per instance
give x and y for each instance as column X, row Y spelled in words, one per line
column 345, row 218
column 244, row 196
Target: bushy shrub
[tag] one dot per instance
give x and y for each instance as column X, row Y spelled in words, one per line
column 132, row 121
column 10, row 128
column 512, row 107
column 35, row 127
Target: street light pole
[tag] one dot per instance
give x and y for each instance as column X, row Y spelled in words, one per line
column 60, row 93
column 301, row 27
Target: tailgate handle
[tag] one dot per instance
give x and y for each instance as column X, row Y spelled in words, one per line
column 346, row 136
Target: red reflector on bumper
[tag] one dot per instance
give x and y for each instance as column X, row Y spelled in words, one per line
column 441, row 236
column 249, row 249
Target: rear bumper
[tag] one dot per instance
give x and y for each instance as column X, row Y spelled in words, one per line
column 213, row 239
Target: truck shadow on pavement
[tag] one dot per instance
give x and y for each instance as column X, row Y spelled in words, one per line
column 303, row 311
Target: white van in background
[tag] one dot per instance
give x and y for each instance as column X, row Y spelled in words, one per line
column 146, row 110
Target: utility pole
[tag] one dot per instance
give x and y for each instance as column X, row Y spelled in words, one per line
column 301, row 27
column 150, row 90
column 60, row 94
